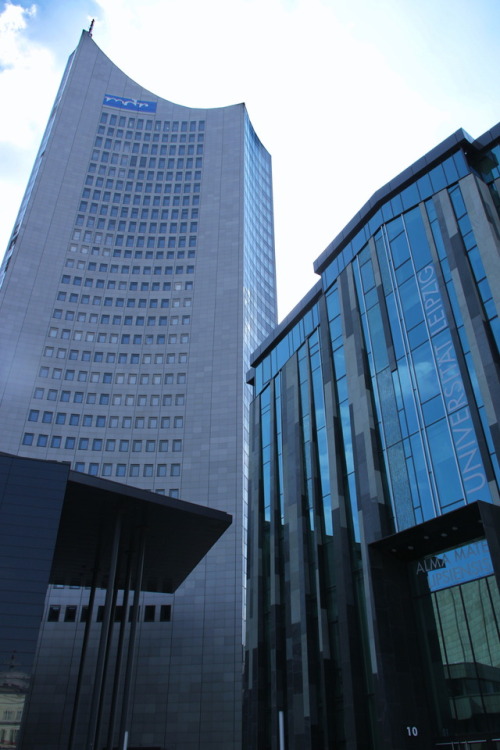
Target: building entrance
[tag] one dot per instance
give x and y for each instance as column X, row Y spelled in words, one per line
column 459, row 607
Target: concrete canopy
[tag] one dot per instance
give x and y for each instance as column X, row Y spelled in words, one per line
column 177, row 534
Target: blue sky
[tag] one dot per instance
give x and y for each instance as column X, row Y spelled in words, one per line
column 343, row 94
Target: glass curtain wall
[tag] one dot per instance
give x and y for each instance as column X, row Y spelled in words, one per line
column 458, row 604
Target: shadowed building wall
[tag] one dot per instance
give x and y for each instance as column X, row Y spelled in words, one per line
column 73, row 675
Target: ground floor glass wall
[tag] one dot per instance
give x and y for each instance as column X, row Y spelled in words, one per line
column 459, row 607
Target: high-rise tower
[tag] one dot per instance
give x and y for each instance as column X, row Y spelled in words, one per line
column 138, row 279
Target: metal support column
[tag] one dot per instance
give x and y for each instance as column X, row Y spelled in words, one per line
column 124, row 722
column 103, row 641
column 119, row 655
column 106, row 662
column 83, row 655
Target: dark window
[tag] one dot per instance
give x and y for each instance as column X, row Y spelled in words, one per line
column 149, row 613
column 165, row 612
column 70, row 614
column 119, row 613
column 53, row 615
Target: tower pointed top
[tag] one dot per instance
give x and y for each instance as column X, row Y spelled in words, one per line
column 91, row 26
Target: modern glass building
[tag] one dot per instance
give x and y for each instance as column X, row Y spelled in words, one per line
column 138, row 279
column 373, row 558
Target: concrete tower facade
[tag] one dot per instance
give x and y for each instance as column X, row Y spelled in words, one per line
column 138, row 279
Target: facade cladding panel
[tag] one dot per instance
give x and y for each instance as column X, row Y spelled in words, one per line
column 373, row 603
column 139, row 277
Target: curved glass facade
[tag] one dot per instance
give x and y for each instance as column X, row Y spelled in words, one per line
column 375, row 416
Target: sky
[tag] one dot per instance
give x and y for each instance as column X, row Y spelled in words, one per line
column 345, row 94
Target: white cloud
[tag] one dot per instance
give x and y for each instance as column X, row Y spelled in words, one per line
column 28, row 78
column 344, row 96
column 28, row 83
column 322, row 100
column 12, row 19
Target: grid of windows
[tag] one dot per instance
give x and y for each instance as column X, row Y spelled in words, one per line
column 428, row 391
column 74, row 613
column 137, row 217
